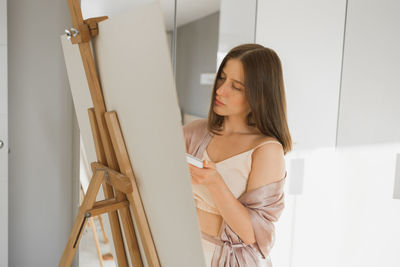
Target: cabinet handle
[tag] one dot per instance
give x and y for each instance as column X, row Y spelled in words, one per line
column 1, row 143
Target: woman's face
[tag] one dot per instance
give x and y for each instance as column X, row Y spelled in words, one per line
column 230, row 90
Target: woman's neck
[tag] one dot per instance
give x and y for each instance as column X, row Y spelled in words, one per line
column 237, row 125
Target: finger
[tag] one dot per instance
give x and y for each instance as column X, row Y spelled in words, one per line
column 192, row 168
column 209, row 164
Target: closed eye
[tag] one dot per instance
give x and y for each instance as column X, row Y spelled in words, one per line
column 222, row 78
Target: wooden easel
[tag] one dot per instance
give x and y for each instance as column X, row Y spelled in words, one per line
column 113, row 168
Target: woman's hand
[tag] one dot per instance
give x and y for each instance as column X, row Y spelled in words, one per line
column 208, row 175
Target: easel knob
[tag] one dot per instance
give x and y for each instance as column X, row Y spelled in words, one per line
column 71, row 33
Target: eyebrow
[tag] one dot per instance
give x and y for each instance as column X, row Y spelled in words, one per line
column 232, row 79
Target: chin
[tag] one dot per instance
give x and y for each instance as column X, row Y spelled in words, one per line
column 219, row 113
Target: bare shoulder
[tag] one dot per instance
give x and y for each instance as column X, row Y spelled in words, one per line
column 267, row 164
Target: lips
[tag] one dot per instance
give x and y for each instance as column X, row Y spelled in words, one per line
column 219, row 102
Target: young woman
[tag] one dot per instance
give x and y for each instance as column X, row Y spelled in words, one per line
column 239, row 192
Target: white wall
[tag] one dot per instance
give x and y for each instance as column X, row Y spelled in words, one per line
column 3, row 137
column 41, row 134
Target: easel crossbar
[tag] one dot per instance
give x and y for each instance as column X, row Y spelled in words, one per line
column 116, row 205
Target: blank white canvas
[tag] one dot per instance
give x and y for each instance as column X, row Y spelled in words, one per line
column 135, row 72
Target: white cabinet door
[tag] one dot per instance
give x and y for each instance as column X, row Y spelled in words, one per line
column 236, row 25
column 370, row 94
column 308, row 37
column 346, row 215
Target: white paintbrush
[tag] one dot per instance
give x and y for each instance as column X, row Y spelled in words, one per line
column 194, row 161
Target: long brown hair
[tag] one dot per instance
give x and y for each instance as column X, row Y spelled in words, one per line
column 264, row 90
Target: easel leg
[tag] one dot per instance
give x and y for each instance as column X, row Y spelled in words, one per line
column 81, row 219
column 134, row 198
column 116, row 229
column 131, row 238
column 108, row 193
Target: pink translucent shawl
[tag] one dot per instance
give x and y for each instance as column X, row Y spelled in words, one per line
column 264, row 204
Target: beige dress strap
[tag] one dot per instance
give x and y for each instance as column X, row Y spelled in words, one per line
column 270, row 141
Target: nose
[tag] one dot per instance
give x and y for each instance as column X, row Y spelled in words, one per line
column 221, row 89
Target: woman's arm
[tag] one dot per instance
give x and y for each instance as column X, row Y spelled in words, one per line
column 232, row 211
column 266, row 168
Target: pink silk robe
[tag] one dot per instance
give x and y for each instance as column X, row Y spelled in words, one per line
column 264, row 204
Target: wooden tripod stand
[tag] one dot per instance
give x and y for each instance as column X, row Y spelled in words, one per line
column 113, row 168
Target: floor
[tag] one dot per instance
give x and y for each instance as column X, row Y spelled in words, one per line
column 87, row 248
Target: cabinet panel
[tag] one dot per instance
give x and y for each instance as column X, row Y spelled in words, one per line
column 347, row 215
column 308, row 37
column 319, row 224
column 236, row 25
column 369, row 103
